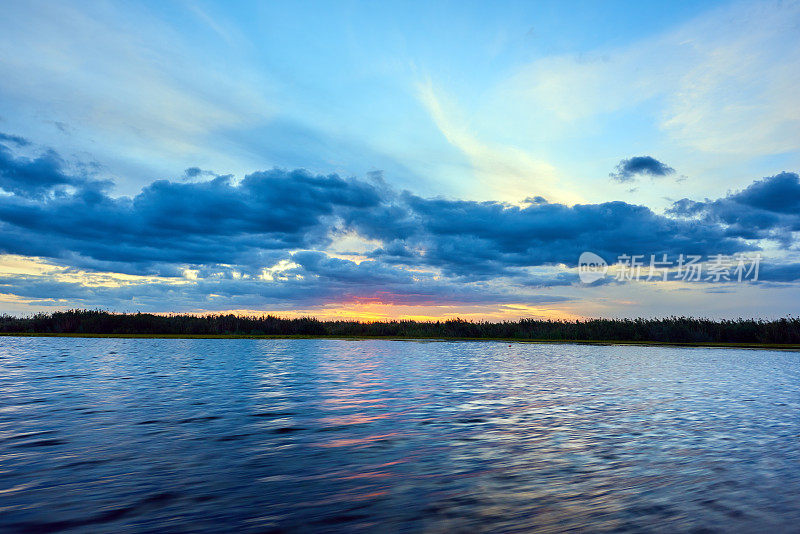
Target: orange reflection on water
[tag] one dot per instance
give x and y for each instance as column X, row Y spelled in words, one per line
column 353, row 419
column 371, row 474
column 343, row 404
column 358, row 441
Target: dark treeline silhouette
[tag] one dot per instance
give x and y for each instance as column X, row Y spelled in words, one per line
column 672, row 329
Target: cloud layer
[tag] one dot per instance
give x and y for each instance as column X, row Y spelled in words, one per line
column 767, row 209
column 267, row 239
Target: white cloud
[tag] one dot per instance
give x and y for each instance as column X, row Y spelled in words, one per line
column 122, row 77
column 504, row 172
column 725, row 82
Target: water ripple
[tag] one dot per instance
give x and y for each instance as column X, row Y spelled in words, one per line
column 327, row 436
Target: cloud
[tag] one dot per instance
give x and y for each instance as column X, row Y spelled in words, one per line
column 788, row 272
column 767, row 209
column 14, row 139
column 168, row 223
column 779, row 193
column 480, row 240
column 265, row 241
column 319, row 281
column 133, row 77
column 170, row 226
column 509, row 172
column 628, row 169
column 724, row 82
column 194, row 172
column 36, row 177
column 134, row 90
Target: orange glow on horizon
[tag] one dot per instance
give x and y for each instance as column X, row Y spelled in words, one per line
column 376, row 312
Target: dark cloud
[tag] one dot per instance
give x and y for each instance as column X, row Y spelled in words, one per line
column 628, row 169
column 13, row 139
column 485, row 239
column 767, row 209
column 46, row 174
column 779, row 193
column 535, row 200
column 31, row 177
column 193, row 172
column 169, row 223
column 431, row 250
column 788, row 272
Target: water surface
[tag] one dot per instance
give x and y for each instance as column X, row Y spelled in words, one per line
column 327, row 436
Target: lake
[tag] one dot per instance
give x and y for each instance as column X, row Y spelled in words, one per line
column 316, row 435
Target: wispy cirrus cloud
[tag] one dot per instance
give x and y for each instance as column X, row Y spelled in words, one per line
column 506, row 172
column 122, row 76
column 724, row 82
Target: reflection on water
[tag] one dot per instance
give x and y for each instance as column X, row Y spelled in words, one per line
column 324, row 435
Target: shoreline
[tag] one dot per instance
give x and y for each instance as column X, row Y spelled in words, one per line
column 762, row 346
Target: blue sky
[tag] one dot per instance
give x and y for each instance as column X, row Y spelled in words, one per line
column 438, row 119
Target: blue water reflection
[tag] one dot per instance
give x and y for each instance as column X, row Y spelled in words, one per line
column 325, row 436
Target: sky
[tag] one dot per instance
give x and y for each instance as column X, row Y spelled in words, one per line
column 381, row 160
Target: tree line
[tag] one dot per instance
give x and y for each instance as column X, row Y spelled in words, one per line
column 671, row 329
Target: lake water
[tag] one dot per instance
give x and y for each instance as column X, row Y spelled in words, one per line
column 118, row 435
